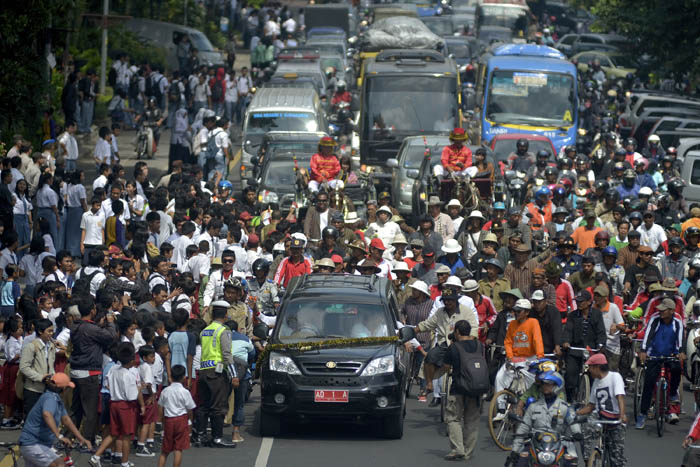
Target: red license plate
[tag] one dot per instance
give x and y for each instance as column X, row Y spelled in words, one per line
column 324, row 395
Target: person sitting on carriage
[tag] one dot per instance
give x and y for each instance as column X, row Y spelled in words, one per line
column 346, row 174
column 457, row 157
column 540, row 211
column 484, row 168
column 324, row 165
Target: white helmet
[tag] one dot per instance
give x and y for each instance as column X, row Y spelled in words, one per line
column 341, row 84
column 454, row 280
column 420, row 286
column 646, row 191
column 653, row 139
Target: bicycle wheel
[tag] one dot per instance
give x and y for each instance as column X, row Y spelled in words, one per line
column 584, row 389
column 503, row 431
column 638, row 388
column 660, row 406
column 596, row 459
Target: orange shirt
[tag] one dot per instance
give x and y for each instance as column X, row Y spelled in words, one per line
column 324, row 167
column 451, row 155
column 524, row 339
column 584, row 238
column 538, row 220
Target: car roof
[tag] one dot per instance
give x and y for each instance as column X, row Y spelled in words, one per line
column 283, row 97
column 514, row 62
column 337, row 284
column 294, row 135
column 604, row 36
column 372, row 66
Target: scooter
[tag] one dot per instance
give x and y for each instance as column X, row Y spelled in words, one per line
column 145, row 141
column 692, row 351
column 546, row 446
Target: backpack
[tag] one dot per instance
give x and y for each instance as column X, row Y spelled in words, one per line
column 473, row 377
column 82, row 285
column 174, row 92
column 217, row 91
column 112, row 77
column 153, row 88
column 134, row 88
column 212, row 149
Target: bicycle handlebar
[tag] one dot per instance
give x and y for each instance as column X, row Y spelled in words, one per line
column 10, row 445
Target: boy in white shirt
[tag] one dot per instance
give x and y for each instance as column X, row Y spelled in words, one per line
column 101, row 181
column 147, row 355
column 103, row 149
column 176, row 407
column 200, row 263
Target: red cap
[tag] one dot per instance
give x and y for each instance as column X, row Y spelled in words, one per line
column 377, row 243
column 253, row 240
column 336, row 259
column 245, row 216
column 458, row 131
column 597, row 359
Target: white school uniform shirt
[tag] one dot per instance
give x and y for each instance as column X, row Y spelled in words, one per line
column 103, row 151
column 75, row 194
column 179, row 251
column 123, row 383
column 158, row 368
column 198, row 265
column 71, row 145
column 106, row 210
column 140, row 205
column 100, row 182
column 231, row 90
column 22, row 205
column 176, row 401
column 16, row 177
column 146, row 375
column 46, row 197
column 93, row 225
column 13, row 347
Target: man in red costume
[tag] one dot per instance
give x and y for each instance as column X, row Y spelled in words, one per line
column 324, row 165
column 456, row 158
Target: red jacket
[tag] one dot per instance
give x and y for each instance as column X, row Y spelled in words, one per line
column 487, row 314
column 451, row 155
column 564, row 297
column 324, row 167
column 344, row 97
column 286, row 270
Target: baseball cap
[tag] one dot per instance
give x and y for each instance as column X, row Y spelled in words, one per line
column 523, row 304
column 336, row 259
column 428, row 251
column 449, row 294
column 583, row 296
column 297, row 243
column 597, row 359
column 602, row 290
column 377, row 243
column 62, row 380
column 666, row 304
column 537, row 295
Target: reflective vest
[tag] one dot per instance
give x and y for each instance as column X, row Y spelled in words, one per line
column 537, row 221
column 211, row 350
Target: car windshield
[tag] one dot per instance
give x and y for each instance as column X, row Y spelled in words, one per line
column 505, row 147
column 259, row 123
column 308, row 320
column 531, row 98
column 200, row 42
column 303, row 147
column 623, row 61
column 280, row 173
column 458, row 49
column 414, row 155
column 410, row 105
column 442, row 27
column 331, row 61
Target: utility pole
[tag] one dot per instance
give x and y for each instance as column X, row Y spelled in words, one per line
column 185, row 23
column 103, row 57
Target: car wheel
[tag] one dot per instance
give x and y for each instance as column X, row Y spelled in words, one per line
column 270, row 424
column 393, row 425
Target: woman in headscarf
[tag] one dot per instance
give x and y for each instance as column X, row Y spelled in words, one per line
column 180, row 139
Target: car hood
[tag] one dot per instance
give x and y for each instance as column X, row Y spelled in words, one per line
column 360, row 354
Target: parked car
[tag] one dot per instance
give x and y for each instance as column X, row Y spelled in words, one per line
column 602, row 42
column 616, row 65
column 671, row 129
column 643, row 125
column 565, row 43
column 638, row 102
column 567, row 18
column 342, row 383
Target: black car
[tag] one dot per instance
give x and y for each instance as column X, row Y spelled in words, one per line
column 353, row 381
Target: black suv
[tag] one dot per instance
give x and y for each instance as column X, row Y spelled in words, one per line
column 343, row 383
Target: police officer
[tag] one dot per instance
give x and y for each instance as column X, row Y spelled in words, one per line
column 263, row 289
column 217, row 375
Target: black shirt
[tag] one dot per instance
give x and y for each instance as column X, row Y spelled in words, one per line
column 452, row 358
column 634, row 274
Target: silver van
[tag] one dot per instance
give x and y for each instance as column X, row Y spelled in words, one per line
column 168, row 35
column 691, row 175
column 638, row 102
column 278, row 109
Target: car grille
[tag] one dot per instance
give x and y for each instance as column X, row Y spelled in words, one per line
column 320, row 368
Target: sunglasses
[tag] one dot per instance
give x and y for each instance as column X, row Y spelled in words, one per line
column 416, row 247
column 645, row 253
column 227, row 261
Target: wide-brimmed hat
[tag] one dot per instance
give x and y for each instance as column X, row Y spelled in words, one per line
column 442, row 269
column 435, row 201
column 458, row 134
column 420, row 286
column 351, row 217
column 451, row 246
column 325, row 262
column 470, row 285
column 400, row 266
column 522, row 248
column 490, row 237
column 476, row 214
column 523, row 304
column 385, row 209
column 494, row 262
column 327, row 141
column 512, row 292
column 367, row 264
column 359, row 245
column 399, row 239
column 454, row 202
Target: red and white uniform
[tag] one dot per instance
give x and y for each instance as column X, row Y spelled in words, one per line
column 451, row 156
column 323, row 168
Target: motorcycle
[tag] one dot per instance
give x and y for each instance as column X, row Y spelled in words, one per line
column 692, row 351
column 145, row 141
column 517, row 187
column 547, row 447
column 341, row 120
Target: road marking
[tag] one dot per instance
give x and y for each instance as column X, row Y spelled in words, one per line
column 264, row 453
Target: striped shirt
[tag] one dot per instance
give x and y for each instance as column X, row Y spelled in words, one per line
column 415, row 312
column 520, row 277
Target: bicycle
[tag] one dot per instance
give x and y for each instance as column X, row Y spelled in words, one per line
column 503, row 430
column 600, row 457
column 660, row 396
column 13, row 449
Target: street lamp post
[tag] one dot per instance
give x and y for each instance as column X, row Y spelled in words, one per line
column 103, row 57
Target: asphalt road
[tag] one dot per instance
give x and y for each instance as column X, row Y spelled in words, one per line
column 424, row 444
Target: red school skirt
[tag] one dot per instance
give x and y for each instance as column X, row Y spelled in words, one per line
column 122, row 418
column 176, row 434
column 9, row 376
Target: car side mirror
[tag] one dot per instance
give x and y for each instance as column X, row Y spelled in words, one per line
column 412, row 173
column 406, row 333
column 392, row 163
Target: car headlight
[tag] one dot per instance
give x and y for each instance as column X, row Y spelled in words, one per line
column 379, row 366
column 270, row 197
column 283, row 364
column 546, row 457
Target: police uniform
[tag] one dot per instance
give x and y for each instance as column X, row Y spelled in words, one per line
column 266, row 296
column 214, row 379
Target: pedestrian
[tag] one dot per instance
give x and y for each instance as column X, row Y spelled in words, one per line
column 14, row 333
column 22, row 211
column 37, row 363
column 176, row 411
column 40, row 430
column 76, row 205
column 463, row 407
column 180, row 139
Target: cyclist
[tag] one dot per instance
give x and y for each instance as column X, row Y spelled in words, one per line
column 608, row 399
column 584, row 328
column 663, row 338
column 534, row 392
column 523, row 341
column 544, row 414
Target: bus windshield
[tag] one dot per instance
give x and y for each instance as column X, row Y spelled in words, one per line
column 410, row 105
column 531, row 98
column 508, row 17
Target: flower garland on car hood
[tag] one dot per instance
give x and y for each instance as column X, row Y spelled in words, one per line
column 326, row 344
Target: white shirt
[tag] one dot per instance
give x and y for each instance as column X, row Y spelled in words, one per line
column 13, row 347
column 22, row 205
column 46, row 197
column 653, row 237
column 243, row 83
column 463, row 300
column 231, row 91
column 99, row 182
column 106, row 210
column 75, row 194
column 114, row 148
column 6, row 257
column 123, row 383
column 604, row 394
column 176, row 400
column 457, row 222
column 48, row 244
column 290, row 25
column 71, row 145
column 93, row 225
column 179, row 252
column 146, row 375
column 16, row 177
column 103, row 151
column 198, row 265
column 201, row 92
column 610, row 317
column 157, row 368
column 139, row 205
column 31, row 265
column 222, row 141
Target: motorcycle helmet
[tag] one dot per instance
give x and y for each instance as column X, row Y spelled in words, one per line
column 672, row 151
column 543, row 191
column 570, row 151
column 559, row 191
column 620, row 152
column 612, row 196
column 551, row 171
column 696, row 308
column 675, row 241
column 602, row 235
column 653, row 139
column 542, row 365
column 261, row 264
column 630, row 142
column 543, row 154
column 330, row 231
column 675, row 186
column 646, row 191
column 610, row 251
column 630, row 174
column 601, row 185
column 551, row 377
column 589, row 86
column 152, row 101
column 638, row 205
column 692, row 231
column 340, row 85
column 522, row 144
column 662, row 198
column 225, row 185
